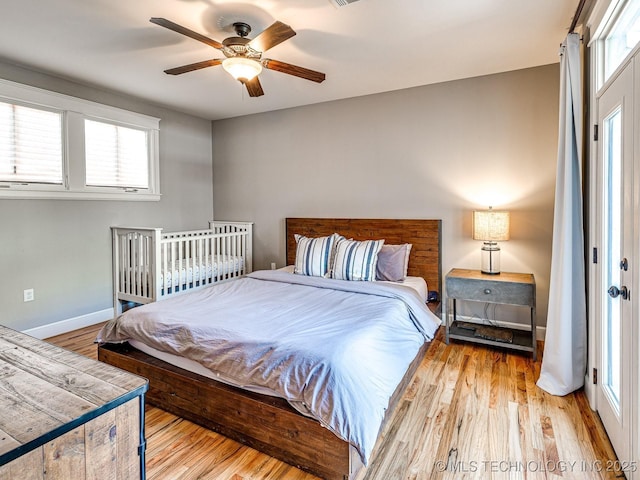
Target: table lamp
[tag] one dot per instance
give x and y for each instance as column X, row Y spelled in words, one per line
column 490, row 226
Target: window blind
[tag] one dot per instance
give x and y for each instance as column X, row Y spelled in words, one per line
column 30, row 144
column 116, row 156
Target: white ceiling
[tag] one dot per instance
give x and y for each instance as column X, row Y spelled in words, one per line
column 366, row 47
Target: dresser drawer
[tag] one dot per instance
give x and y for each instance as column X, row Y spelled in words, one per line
column 491, row 291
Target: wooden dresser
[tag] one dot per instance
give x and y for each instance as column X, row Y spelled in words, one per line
column 65, row 416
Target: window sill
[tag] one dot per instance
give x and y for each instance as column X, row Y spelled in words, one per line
column 9, row 194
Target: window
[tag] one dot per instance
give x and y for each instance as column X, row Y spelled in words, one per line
column 30, row 144
column 621, row 38
column 116, row 156
column 56, row 146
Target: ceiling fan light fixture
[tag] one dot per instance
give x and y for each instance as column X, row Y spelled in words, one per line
column 244, row 60
column 242, row 68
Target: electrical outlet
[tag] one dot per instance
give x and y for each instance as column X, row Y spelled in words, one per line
column 273, row 265
column 29, row 295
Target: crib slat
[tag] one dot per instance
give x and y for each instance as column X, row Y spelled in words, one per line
column 234, row 255
column 124, row 264
column 197, row 261
column 139, row 264
column 131, row 264
column 137, row 246
column 143, row 274
column 180, row 260
column 200, row 261
column 192, row 259
column 165, row 253
column 208, row 260
column 135, row 261
column 243, row 259
column 228, row 257
column 225, row 241
column 173, row 267
column 128, row 260
column 217, row 257
column 122, row 240
column 134, row 264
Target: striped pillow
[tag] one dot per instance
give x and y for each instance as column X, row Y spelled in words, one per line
column 356, row 260
column 314, row 255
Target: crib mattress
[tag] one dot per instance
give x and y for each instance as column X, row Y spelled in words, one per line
column 187, row 271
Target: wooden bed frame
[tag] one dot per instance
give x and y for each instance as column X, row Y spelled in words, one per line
column 270, row 424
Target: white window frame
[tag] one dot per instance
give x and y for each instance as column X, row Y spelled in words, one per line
column 75, row 111
column 601, row 21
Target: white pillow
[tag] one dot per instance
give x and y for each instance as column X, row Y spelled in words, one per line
column 314, row 255
column 393, row 262
column 356, row 260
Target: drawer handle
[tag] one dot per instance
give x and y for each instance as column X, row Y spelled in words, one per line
column 487, row 291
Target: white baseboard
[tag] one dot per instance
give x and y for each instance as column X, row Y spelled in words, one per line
column 540, row 331
column 64, row 326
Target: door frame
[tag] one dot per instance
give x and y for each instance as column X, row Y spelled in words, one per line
column 629, row 199
column 592, row 35
column 599, row 17
column 635, row 415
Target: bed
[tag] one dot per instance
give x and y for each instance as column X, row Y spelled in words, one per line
column 266, row 422
column 151, row 265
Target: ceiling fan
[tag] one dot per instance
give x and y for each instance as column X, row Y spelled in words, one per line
column 244, row 56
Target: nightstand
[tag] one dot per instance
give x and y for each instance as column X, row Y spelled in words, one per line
column 506, row 289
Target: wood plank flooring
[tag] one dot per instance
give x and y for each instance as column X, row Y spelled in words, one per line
column 471, row 412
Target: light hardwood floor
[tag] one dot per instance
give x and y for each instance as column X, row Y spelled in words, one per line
column 470, row 412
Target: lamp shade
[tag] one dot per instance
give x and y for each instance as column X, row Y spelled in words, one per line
column 491, row 225
column 242, row 68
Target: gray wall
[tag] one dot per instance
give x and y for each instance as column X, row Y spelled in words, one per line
column 62, row 248
column 437, row 151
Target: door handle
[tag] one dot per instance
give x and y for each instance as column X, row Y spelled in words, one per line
column 615, row 291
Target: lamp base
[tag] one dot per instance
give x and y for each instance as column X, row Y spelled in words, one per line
column 490, row 258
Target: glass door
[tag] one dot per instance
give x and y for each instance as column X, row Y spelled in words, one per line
column 615, row 107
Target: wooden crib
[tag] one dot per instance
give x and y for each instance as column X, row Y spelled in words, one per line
column 149, row 265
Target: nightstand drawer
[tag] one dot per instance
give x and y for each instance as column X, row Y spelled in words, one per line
column 491, row 291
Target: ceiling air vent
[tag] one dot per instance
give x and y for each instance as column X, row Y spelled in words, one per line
column 341, row 3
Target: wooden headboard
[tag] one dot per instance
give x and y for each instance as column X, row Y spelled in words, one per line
column 425, row 260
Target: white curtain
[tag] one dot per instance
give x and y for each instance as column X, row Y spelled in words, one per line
column 565, row 349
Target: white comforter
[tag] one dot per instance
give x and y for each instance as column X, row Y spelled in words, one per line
column 336, row 350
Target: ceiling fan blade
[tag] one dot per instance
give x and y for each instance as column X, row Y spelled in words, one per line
column 272, row 36
column 163, row 22
column 301, row 72
column 194, row 66
column 253, row 87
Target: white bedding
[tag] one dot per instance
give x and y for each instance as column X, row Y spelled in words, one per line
column 419, row 284
column 336, row 350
